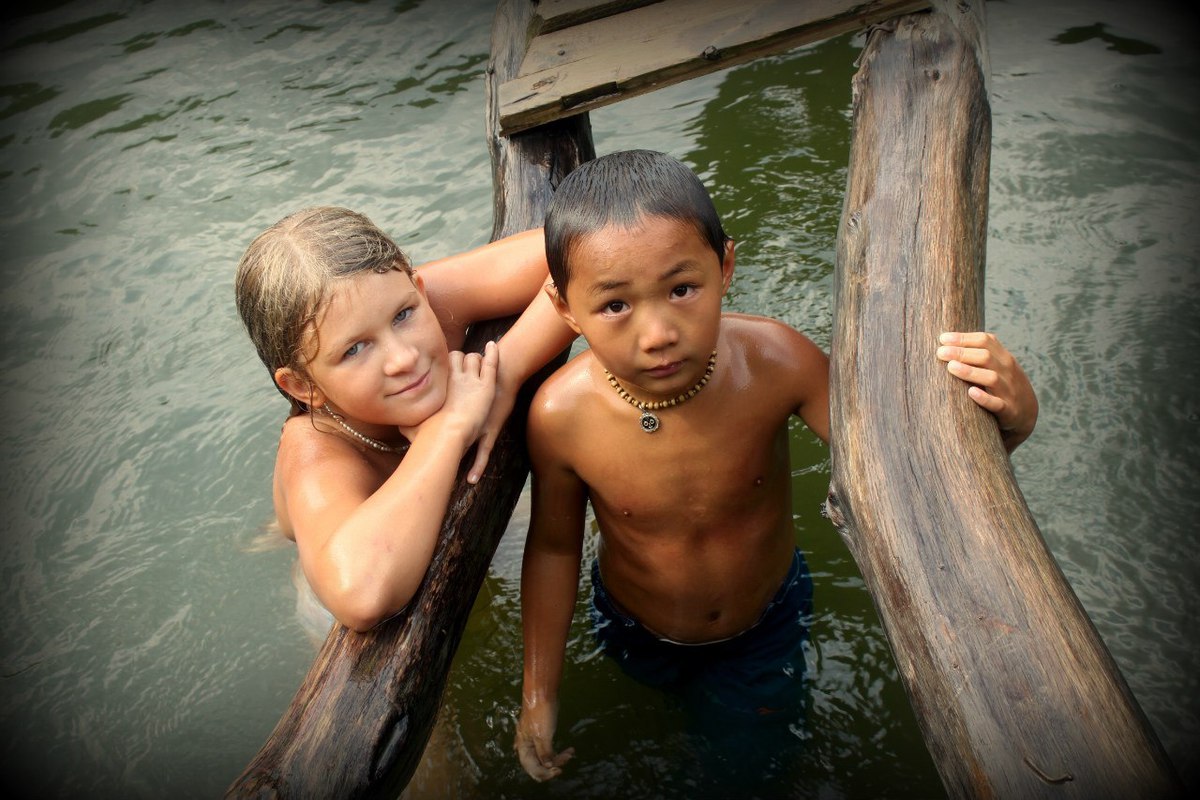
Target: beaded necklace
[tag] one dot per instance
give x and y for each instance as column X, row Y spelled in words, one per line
column 367, row 440
column 649, row 421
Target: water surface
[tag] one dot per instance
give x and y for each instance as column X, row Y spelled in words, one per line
column 150, row 643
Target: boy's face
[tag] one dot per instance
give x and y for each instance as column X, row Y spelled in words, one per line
column 648, row 301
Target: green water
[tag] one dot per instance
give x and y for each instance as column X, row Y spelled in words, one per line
column 149, row 646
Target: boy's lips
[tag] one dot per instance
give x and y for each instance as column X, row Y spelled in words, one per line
column 665, row 370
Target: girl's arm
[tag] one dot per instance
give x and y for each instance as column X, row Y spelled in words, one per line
column 537, row 336
column 499, row 279
column 364, row 545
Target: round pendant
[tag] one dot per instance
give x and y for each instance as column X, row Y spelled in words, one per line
column 649, row 422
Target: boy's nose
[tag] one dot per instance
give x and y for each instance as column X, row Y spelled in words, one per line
column 658, row 332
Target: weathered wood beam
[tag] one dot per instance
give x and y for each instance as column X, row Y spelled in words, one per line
column 554, row 15
column 360, row 721
column 601, row 61
column 1014, row 691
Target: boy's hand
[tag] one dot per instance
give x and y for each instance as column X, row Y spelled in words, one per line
column 999, row 383
column 534, row 743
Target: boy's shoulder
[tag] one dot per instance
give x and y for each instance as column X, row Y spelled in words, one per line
column 762, row 336
column 569, row 387
column 787, row 366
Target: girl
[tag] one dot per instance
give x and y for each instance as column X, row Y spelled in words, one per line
column 384, row 406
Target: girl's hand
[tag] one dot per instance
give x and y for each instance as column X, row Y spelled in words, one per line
column 470, row 389
column 502, row 406
column 998, row 382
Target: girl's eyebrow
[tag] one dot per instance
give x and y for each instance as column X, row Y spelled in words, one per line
column 343, row 343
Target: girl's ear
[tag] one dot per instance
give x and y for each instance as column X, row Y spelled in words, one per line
column 560, row 305
column 299, row 387
column 727, row 266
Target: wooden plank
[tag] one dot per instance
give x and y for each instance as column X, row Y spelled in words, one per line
column 599, row 62
column 1015, row 693
column 554, row 15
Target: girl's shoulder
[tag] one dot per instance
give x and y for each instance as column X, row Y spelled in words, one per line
column 313, row 464
column 306, row 444
column 310, row 459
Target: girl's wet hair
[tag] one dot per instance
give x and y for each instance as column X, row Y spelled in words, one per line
column 285, row 279
column 620, row 189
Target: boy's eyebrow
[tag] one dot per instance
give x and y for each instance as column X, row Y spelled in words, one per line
column 600, row 287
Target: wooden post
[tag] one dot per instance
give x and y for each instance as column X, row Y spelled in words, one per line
column 359, row 723
column 1015, row 693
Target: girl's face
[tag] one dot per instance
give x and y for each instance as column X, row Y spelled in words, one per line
column 382, row 357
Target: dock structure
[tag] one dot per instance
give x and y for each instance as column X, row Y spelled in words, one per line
column 586, row 54
column 1014, row 691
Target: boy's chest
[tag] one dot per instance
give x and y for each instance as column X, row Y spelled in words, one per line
column 686, row 473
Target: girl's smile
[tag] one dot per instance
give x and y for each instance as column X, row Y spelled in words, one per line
column 414, row 387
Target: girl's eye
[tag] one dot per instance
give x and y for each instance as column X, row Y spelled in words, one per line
column 403, row 315
column 353, row 350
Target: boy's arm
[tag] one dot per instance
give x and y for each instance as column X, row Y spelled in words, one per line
column 998, row 382
column 549, row 585
column 795, row 362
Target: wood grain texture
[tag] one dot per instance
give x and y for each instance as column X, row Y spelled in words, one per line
column 554, row 15
column 358, row 725
column 599, row 61
column 1016, row 694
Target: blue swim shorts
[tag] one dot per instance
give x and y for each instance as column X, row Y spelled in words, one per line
column 760, row 671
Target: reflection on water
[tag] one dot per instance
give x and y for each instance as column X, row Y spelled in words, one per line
column 150, row 646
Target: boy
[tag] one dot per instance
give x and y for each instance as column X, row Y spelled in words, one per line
column 674, row 425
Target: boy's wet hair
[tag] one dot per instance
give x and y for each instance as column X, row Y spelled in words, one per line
column 621, row 189
column 285, row 279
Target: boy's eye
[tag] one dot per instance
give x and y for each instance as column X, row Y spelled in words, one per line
column 683, row 290
column 614, row 307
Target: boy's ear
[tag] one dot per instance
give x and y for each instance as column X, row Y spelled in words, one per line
column 560, row 305
column 727, row 266
column 299, row 387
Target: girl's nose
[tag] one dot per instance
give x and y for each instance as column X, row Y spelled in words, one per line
column 399, row 356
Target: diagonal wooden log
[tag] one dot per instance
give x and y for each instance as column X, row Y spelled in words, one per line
column 1015, row 692
column 360, row 721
